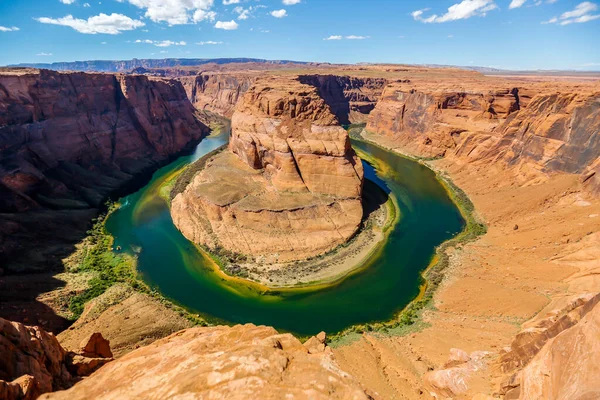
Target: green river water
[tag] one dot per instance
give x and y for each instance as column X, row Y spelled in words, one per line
column 168, row 262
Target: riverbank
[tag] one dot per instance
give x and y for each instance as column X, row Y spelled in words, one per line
column 410, row 318
column 537, row 254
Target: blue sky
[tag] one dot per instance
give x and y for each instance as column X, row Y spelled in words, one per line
column 513, row 34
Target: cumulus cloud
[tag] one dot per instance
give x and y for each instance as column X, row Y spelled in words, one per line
column 584, row 12
column 202, row 15
column 228, row 2
column 245, row 13
column 109, row 24
column 279, row 13
column 9, row 29
column 211, row 42
column 291, row 2
column 161, row 43
column 354, row 37
column 42, row 54
column 517, row 3
column 334, row 37
column 463, row 10
column 86, row 5
column 173, row 12
column 67, row 1
column 227, row 25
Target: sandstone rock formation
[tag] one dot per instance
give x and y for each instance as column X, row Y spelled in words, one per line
column 216, row 92
column 240, row 362
column 430, row 122
column 33, row 361
column 290, row 186
column 566, row 366
column 67, row 141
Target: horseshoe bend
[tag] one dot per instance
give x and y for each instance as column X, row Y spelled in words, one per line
column 239, row 228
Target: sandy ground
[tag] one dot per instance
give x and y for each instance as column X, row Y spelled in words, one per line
column 542, row 245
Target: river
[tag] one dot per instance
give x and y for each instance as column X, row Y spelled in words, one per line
column 168, row 262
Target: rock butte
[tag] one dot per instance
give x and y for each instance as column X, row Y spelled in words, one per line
column 288, row 188
column 515, row 317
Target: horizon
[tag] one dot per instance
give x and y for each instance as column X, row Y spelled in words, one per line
column 555, row 35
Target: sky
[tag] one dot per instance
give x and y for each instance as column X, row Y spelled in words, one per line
column 508, row 34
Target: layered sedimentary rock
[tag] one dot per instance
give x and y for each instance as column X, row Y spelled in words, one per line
column 430, row 122
column 33, row 361
column 215, row 92
column 288, row 188
column 67, row 141
column 561, row 355
column 240, row 362
column 350, row 98
column 557, row 132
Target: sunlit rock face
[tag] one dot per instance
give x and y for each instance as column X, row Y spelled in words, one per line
column 240, row 362
column 289, row 186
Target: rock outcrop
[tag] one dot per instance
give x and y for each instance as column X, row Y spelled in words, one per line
column 240, row 362
column 290, row 185
column 216, row 92
column 69, row 140
column 33, row 361
column 565, row 365
column 430, row 122
column 350, row 98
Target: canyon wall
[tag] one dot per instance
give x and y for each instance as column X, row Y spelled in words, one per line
column 218, row 93
column 350, row 98
column 535, row 134
column 68, row 141
column 430, row 122
column 288, row 188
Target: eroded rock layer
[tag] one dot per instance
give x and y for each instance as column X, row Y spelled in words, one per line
column 69, row 140
column 288, row 188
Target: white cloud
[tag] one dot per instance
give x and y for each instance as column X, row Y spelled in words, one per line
column 86, row 5
column 227, row 25
column 291, row 2
column 103, row 43
column 582, row 13
column 209, row 42
column 349, row 37
column 162, row 43
column 243, row 13
column 517, row 3
column 67, row 1
column 173, row 12
column 42, row 54
column 202, row 15
column 279, row 13
column 228, row 2
column 463, row 10
column 109, row 24
column 9, row 29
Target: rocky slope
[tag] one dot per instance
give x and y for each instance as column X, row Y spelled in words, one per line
column 288, row 188
column 240, row 362
column 33, row 361
column 67, row 141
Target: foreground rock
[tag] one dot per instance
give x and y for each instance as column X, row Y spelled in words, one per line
column 33, row 361
column 67, row 141
column 288, row 188
column 240, row 362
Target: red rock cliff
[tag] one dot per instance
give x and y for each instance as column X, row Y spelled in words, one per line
column 68, row 140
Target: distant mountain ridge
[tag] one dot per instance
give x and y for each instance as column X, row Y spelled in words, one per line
column 128, row 65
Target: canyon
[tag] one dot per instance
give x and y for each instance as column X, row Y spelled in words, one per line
column 515, row 311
